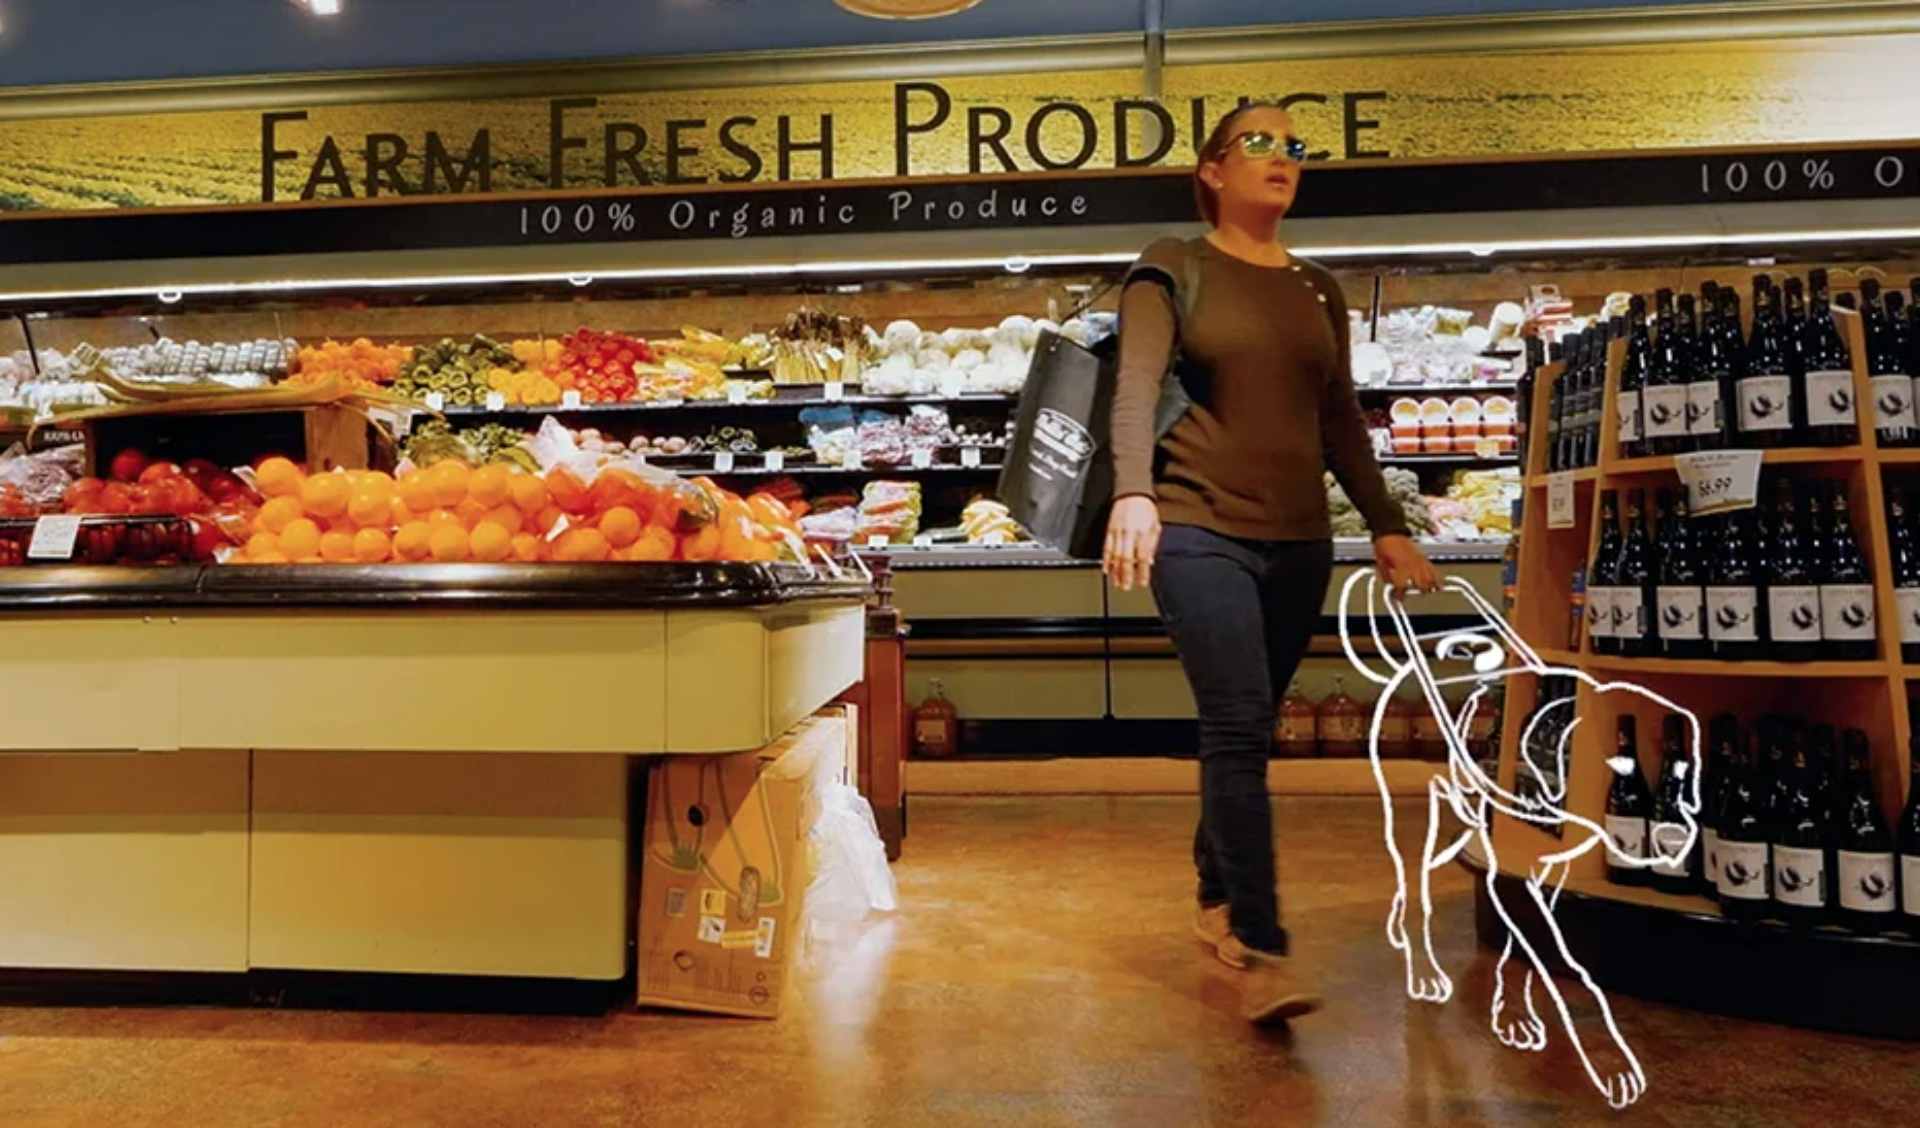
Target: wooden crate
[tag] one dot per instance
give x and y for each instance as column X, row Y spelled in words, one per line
column 323, row 437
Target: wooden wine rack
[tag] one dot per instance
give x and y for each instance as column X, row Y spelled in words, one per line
column 1868, row 695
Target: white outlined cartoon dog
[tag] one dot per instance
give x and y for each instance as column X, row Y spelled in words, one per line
column 1495, row 651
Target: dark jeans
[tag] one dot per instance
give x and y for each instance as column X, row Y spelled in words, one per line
column 1241, row 614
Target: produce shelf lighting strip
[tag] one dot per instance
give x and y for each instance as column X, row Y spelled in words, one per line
column 1013, row 264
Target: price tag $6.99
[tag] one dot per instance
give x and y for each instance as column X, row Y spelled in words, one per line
column 1719, row 481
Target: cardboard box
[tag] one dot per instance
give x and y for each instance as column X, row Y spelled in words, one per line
column 725, row 870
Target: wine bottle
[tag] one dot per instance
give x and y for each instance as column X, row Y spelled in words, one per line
column 1793, row 320
column 1900, row 353
column 1680, row 599
column 1847, row 624
column 1734, row 344
column 1894, row 418
column 1723, row 754
column 1831, row 419
column 1556, row 415
column 1908, row 834
column 1746, row 832
column 1867, row 887
column 1793, row 588
column 1699, row 350
column 1523, row 429
column 1673, row 841
column 1510, row 561
column 1800, row 844
column 1633, row 379
column 1600, row 578
column 1632, row 602
column 1586, row 401
column 1906, row 571
column 1664, row 402
column 1736, row 614
column 1768, row 406
column 1629, row 810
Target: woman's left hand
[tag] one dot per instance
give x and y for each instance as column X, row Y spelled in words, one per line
column 1401, row 563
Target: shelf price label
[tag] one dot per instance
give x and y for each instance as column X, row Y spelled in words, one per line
column 570, row 400
column 776, row 461
column 723, row 462
column 970, row 457
column 922, row 459
column 54, row 537
column 436, row 401
column 835, row 391
column 923, row 540
column 878, row 542
column 496, row 401
column 1719, row 481
column 736, row 392
column 1560, row 513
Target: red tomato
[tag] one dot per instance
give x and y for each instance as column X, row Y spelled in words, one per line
column 116, row 497
column 127, row 466
column 158, row 472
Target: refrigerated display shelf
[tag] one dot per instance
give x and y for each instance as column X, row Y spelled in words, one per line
column 811, row 398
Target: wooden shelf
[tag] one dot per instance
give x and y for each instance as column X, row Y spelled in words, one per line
column 1899, row 457
column 1709, row 668
column 1788, row 456
column 1585, row 474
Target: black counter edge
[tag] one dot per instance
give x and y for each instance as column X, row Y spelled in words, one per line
column 421, row 586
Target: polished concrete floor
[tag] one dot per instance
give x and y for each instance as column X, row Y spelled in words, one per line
column 1040, row 973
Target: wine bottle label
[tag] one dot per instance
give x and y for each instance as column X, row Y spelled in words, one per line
column 1703, row 407
column 1395, row 729
column 1910, row 885
column 1893, row 406
column 1846, row 612
column 1830, row 398
column 1629, row 613
column 1680, row 613
column 1766, row 403
column 1743, row 870
column 1909, row 614
column 1866, row 882
column 1600, row 612
column 1629, row 836
column 1629, row 407
column 1665, row 411
column 1799, row 876
column 1296, row 730
column 1794, row 613
column 1710, row 852
column 1733, row 614
column 1347, row 729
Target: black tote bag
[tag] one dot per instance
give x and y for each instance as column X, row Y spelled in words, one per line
column 1057, row 479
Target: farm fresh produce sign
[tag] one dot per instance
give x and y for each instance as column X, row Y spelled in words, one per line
column 1761, row 93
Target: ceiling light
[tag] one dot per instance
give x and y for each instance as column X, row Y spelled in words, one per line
column 319, row 7
column 906, row 9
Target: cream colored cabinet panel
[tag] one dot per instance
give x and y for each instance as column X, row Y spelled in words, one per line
column 88, row 682
column 125, row 862
column 461, row 865
column 738, row 679
column 490, row 681
column 997, row 593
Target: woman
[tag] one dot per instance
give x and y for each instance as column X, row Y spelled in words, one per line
column 1227, row 518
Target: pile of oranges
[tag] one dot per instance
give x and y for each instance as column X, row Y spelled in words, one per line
column 360, row 364
column 451, row 513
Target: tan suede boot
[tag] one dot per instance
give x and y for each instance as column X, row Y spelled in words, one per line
column 1271, row 994
column 1214, row 927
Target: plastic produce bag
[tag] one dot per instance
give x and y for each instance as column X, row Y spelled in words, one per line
column 850, row 874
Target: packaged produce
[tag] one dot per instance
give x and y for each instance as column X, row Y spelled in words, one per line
column 890, row 510
column 986, row 521
column 833, row 434
column 1342, row 723
column 40, row 480
column 1402, row 484
column 814, row 347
